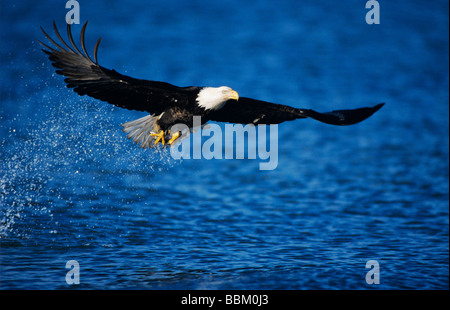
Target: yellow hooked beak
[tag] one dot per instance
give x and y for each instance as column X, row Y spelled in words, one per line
column 234, row 95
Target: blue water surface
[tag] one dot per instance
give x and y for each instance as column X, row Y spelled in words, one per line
column 74, row 188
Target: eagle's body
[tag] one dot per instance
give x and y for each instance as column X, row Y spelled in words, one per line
column 168, row 104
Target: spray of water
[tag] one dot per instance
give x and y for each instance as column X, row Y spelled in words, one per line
column 54, row 153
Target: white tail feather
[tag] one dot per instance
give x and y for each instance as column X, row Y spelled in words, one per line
column 139, row 130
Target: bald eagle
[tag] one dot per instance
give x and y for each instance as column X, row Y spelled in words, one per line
column 169, row 104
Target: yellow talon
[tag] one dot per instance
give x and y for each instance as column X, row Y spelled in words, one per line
column 174, row 137
column 160, row 136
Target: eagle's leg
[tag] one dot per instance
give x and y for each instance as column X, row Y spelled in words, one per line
column 160, row 136
column 174, row 137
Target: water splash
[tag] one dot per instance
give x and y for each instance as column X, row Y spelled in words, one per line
column 53, row 155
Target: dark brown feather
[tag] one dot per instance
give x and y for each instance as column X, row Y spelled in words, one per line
column 87, row 77
column 251, row 111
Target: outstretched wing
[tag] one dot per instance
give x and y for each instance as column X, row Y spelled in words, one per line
column 251, row 111
column 87, row 77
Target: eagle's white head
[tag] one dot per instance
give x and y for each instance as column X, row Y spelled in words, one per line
column 214, row 98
